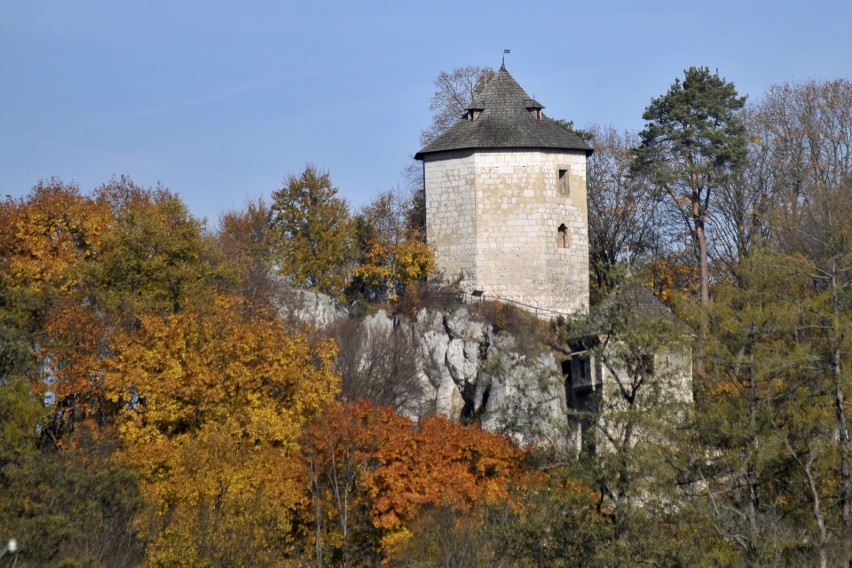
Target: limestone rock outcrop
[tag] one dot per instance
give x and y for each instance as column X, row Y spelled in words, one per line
column 476, row 372
column 465, row 368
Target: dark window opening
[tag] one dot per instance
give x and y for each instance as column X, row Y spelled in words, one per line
column 562, row 236
column 583, row 395
column 564, row 185
column 646, row 366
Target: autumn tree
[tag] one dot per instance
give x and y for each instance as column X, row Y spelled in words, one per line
column 137, row 250
column 313, row 232
column 336, row 459
column 155, row 255
column 798, row 142
column 212, row 406
column 46, row 235
column 819, row 233
column 393, row 256
column 454, row 92
column 754, row 425
column 745, row 200
column 398, row 470
column 47, row 239
column 789, row 209
column 378, row 362
column 247, row 243
column 805, row 129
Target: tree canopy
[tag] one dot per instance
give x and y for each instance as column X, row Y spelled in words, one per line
column 312, row 231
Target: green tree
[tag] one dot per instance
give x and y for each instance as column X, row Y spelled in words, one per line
column 765, row 420
column 67, row 507
column 691, row 143
column 585, row 135
column 313, row 232
column 819, row 234
column 155, row 255
column 632, row 423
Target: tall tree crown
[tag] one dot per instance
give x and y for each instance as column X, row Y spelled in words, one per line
column 693, row 129
column 313, row 232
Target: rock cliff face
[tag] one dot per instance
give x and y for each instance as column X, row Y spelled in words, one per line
column 468, row 370
column 473, row 371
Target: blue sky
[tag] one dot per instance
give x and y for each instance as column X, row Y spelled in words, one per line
column 221, row 101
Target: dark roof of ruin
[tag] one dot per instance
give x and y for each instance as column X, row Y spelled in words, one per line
column 643, row 303
column 635, row 300
column 506, row 121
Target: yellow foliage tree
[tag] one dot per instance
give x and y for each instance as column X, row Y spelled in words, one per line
column 394, row 256
column 212, row 407
column 45, row 235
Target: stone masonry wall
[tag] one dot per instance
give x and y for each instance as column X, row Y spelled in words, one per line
column 493, row 218
column 451, row 213
column 519, row 209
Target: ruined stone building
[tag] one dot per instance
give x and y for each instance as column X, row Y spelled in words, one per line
column 506, row 210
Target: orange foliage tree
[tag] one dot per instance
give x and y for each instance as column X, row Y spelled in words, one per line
column 391, row 470
column 47, row 241
column 44, row 236
column 73, row 268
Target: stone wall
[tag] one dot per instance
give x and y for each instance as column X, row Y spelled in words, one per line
column 597, row 390
column 494, row 218
column 470, row 371
column 451, row 213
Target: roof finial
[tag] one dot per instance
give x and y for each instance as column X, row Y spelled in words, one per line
column 503, row 62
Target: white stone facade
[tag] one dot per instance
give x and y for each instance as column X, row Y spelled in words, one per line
column 503, row 223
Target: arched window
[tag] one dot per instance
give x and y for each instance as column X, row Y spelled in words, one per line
column 562, row 236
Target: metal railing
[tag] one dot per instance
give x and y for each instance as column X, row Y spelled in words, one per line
column 474, row 297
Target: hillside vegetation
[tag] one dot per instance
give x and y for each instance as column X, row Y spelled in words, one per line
column 159, row 406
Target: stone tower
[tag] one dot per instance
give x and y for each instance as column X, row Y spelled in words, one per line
column 506, row 209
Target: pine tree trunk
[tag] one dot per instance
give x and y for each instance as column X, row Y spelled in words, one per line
column 698, row 218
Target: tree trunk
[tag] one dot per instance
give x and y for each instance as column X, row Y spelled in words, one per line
column 751, row 475
column 842, row 425
column 698, row 218
column 317, row 498
column 816, row 504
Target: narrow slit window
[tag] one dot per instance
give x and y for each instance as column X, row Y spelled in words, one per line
column 562, row 236
column 564, row 186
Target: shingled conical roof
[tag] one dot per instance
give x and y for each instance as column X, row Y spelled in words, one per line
column 504, row 116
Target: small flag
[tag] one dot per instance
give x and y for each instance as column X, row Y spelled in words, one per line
column 507, row 51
